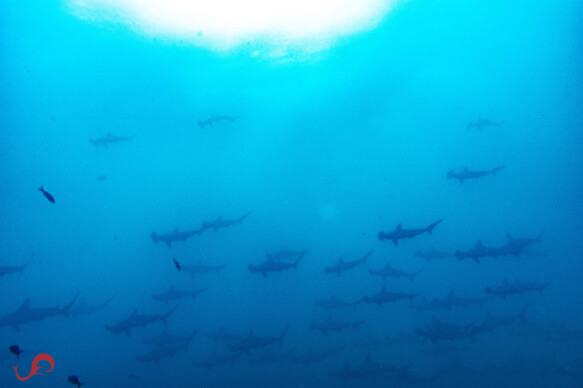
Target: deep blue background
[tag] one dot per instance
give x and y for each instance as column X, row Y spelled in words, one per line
column 327, row 152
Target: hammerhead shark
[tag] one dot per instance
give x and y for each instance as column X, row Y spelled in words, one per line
column 135, row 320
column 215, row 119
column 110, row 139
column 482, row 123
column 174, row 236
column 26, row 314
column 331, row 325
column 199, row 268
column 384, row 296
column 342, row 265
column 253, row 342
column 389, row 271
column 221, row 223
column 275, row 266
column 400, row 233
column 166, row 351
column 518, row 287
column 83, row 309
column 7, row 270
column 467, row 174
column 173, row 294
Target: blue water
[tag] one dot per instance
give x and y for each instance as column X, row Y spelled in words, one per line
column 325, row 153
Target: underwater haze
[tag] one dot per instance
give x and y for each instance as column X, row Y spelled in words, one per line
column 400, row 206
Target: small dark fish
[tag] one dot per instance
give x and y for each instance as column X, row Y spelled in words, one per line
column 102, row 177
column 176, row 263
column 47, row 195
column 134, row 377
column 14, row 349
column 75, row 381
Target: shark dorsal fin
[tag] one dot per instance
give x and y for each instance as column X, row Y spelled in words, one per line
column 509, row 236
column 479, row 244
column 451, row 294
column 465, row 169
column 399, row 227
column 368, row 358
column 176, row 230
column 436, row 322
column 341, row 260
column 134, row 313
column 505, row 282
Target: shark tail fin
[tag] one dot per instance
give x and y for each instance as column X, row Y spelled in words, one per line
column 20, row 269
column 165, row 317
column 244, row 216
column 280, row 339
column 299, row 258
column 429, row 229
column 68, row 307
column 107, row 302
column 365, row 258
column 495, row 170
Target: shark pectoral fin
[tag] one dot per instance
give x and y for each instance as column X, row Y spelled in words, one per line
column 169, row 244
column 264, row 274
column 395, row 241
